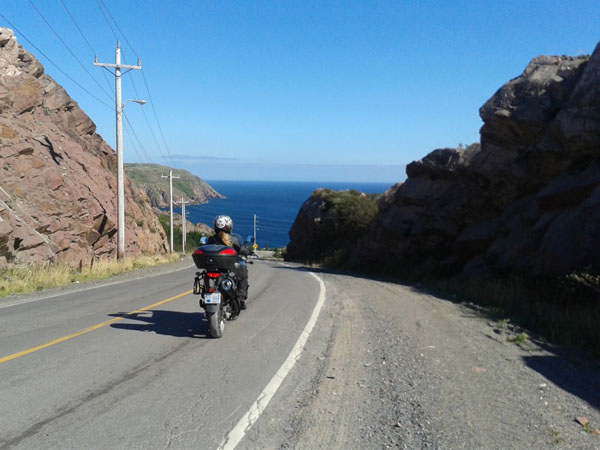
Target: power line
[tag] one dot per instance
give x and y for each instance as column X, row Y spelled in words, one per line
column 104, row 10
column 111, row 87
column 156, row 117
column 68, row 48
column 134, row 147
column 132, row 142
column 269, row 219
column 54, row 64
column 103, row 7
column 119, row 28
column 106, row 19
column 148, row 122
column 137, row 138
column 261, row 220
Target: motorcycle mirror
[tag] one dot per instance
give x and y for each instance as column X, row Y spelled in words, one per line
column 249, row 239
column 203, row 240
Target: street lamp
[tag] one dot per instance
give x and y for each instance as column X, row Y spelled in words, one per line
column 134, row 100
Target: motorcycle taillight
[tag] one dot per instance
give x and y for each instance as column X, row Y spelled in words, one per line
column 213, row 275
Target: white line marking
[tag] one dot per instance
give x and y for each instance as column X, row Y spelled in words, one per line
column 258, row 407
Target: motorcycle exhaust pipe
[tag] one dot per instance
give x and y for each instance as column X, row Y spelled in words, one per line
column 226, row 284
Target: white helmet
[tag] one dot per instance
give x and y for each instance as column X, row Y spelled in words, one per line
column 223, row 223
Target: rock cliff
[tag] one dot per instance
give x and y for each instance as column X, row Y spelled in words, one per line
column 58, row 177
column 148, row 178
column 525, row 200
column 329, row 224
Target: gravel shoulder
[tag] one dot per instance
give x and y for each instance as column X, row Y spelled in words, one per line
column 389, row 366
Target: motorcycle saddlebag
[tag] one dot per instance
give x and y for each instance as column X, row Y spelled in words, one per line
column 214, row 257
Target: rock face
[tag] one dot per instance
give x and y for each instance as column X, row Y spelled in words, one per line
column 329, row 224
column 57, row 176
column 306, row 233
column 526, row 200
column 148, row 178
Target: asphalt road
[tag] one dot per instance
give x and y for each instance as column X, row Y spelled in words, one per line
column 152, row 379
column 385, row 366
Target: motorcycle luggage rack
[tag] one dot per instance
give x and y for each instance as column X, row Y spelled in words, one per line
column 198, row 288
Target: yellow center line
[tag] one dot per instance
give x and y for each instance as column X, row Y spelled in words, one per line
column 92, row 328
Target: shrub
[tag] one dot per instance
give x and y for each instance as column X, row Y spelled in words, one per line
column 346, row 218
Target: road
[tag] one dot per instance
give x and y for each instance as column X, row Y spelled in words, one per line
column 386, row 366
column 151, row 380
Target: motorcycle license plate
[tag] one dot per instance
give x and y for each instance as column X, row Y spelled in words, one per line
column 213, row 299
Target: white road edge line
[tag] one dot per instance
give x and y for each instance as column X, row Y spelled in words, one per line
column 258, row 407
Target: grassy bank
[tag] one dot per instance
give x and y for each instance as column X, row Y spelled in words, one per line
column 20, row 280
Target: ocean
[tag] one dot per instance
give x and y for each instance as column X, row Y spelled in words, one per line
column 275, row 203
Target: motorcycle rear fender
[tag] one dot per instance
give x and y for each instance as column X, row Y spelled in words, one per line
column 211, row 307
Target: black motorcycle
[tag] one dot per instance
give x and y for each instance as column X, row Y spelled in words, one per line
column 217, row 283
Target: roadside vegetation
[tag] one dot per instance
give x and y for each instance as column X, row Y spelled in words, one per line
column 31, row 278
column 345, row 218
column 279, row 253
column 563, row 310
column 192, row 237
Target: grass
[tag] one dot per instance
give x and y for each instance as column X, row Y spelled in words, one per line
column 564, row 310
column 31, row 278
column 518, row 339
column 279, row 253
column 503, row 323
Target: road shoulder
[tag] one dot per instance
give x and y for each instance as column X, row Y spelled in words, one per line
column 391, row 367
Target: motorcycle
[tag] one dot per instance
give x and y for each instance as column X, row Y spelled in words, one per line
column 216, row 283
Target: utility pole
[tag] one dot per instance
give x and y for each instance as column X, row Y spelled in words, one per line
column 255, row 228
column 120, row 172
column 170, row 177
column 183, row 225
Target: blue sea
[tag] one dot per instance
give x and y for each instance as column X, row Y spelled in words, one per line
column 275, row 203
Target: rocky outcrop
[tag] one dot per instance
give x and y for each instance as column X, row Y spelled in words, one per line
column 526, row 200
column 148, row 177
column 305, row 234
column 58, row 177
column 329, row 224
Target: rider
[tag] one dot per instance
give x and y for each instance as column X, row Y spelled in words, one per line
column 223, row 226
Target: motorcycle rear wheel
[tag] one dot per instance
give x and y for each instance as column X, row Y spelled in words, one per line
column 216, row 323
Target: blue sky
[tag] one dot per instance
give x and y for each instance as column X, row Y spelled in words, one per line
column 298, row 90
